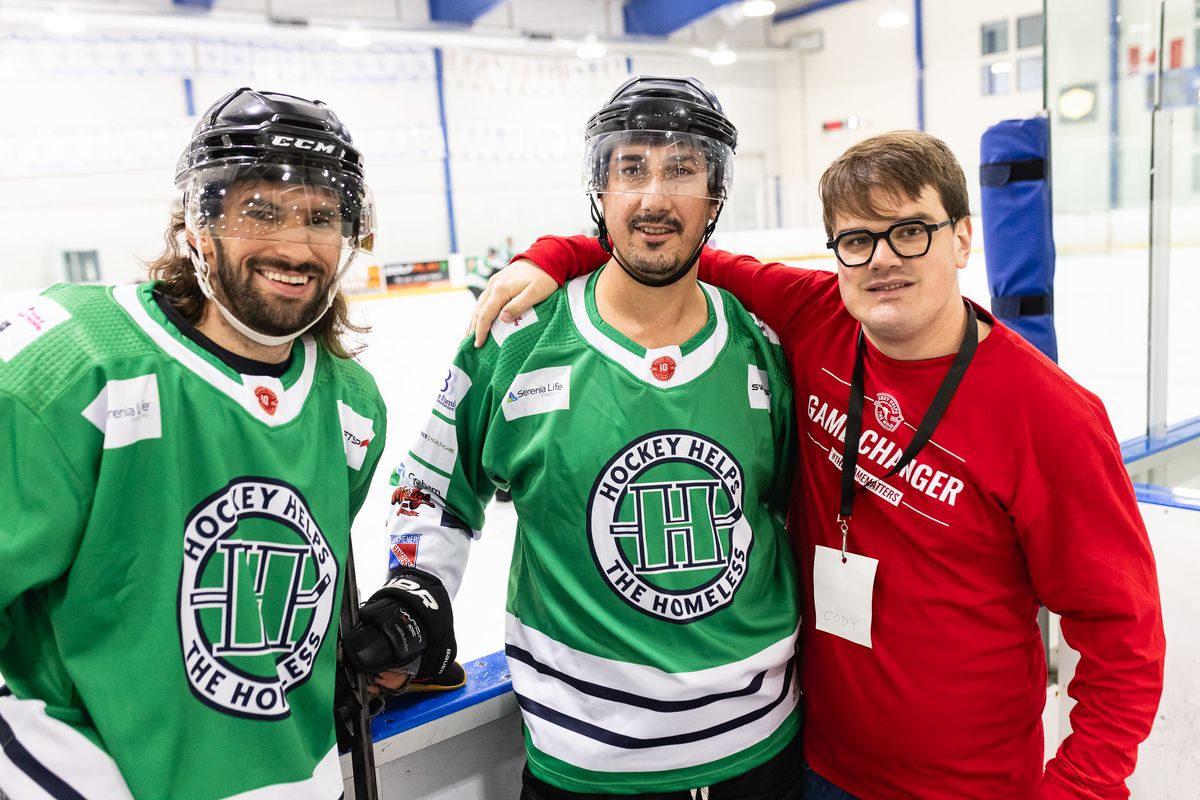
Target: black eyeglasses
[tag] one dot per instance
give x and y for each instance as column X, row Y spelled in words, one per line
column 908, row 239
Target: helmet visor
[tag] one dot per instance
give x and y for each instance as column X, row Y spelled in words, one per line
column 658, row 162
column 332, row 214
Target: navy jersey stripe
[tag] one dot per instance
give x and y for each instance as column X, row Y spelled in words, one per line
column 628, row 698
column 36, row 770
column 634, row 743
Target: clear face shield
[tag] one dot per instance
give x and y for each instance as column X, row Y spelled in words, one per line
column 290, row 218
column 313, row 213
column 658, row 162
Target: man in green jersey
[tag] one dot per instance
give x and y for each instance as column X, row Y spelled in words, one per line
column 642, row 422
column 184, row 460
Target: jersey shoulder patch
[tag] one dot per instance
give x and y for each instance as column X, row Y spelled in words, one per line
column 26, row 321
column 766, row 329
column 502, row 330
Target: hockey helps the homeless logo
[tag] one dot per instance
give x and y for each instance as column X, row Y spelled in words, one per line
column 255, row 596
column 666, row 527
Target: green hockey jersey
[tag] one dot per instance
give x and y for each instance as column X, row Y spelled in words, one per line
column 652, row 608
column 171, row 550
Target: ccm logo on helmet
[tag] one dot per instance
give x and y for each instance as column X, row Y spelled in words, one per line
column 302, row 144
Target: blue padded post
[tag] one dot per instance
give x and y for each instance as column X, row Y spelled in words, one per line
column 1018, row 230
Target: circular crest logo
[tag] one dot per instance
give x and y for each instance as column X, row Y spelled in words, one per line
column 887, row 411
column 663, row 368
column 666, row 527
column 255, row 596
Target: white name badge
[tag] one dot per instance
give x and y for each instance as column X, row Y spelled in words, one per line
column 842, row 594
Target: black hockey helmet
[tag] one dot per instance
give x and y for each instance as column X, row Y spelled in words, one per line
column 648, row 111
column 249, row 135
column 683, row 105
column 272, row 168
column 248, row 127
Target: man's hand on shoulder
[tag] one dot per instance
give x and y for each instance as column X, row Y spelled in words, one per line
column 510, row 293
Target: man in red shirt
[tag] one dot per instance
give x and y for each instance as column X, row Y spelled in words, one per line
column 985, row 483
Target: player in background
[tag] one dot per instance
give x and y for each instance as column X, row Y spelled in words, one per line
column 185, row 457
column 480, row 268
column 642, row 421
column 987, row 483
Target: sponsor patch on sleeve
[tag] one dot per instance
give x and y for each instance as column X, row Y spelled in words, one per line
column 127, row 411
column 403, row 550
column 420, row 476
column 437, row 444
column 20, row 326
column 454, row 388
column 538, row 392
column 357, row 433
column 502, row 330
column 758, row 388
column 772, row 337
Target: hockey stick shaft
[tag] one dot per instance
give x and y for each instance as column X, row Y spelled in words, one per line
column 362, row 748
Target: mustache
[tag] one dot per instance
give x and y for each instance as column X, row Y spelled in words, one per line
column 662, row 219
column 310, row 268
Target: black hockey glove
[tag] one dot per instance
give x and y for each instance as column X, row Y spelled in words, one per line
column 406, row 626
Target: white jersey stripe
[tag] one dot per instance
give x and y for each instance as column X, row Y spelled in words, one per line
column 55, row 749
column 58, row 750
column 713, row 713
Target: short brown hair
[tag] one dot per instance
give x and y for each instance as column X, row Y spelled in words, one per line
column 899, row 165
column 173, row 268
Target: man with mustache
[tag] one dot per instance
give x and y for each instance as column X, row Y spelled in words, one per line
column 642, row 423
column 950, row 481
column 185, row 458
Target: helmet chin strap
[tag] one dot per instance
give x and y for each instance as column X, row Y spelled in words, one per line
column 201, row 268
column 609, row 248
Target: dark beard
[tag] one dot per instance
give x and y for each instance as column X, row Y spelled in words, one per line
column 275, row 317
column 651, row 264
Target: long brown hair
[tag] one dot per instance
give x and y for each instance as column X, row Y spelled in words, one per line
column 173, row 268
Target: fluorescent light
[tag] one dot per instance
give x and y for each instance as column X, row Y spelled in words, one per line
column 758, row 8
column 1001, row 67
column 64, row 22
column 590, row 48
column 893, row 19
column 354, row 37
column 722, row 57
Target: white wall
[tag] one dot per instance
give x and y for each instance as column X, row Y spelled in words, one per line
column 870, row 73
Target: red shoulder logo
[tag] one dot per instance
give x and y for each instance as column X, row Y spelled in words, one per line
column 409, row 499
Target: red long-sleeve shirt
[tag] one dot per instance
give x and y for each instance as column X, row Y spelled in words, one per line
column 1019, row 498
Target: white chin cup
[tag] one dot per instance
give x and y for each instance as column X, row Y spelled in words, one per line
column 201, row 268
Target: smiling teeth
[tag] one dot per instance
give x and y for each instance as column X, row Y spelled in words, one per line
column 652, row 230
column 295, row 280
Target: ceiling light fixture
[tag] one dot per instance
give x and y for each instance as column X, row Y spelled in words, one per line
column 64, row 22
column 758, row 8
column 354, row 36
column 722, row 56
column 591, row 48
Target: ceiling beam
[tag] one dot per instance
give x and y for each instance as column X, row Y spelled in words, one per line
column 464, row 12
column 817, row 5
column 664, row 17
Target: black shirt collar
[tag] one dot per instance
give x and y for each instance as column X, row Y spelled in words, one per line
column 243, row 365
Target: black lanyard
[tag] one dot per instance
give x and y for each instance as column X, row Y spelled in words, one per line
column 966, row 351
